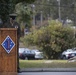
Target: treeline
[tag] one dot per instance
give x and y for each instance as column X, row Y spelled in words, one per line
column 50, row 8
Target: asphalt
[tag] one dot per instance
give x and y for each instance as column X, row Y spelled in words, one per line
column 48, row 70
column 47, row 73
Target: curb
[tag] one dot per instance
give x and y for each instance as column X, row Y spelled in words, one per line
column 48, row 70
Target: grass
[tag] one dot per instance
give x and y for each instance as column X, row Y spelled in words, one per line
column 47, row 64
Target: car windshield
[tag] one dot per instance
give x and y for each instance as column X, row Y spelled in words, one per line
column 69, row 50
column 21, row 50
column 35, row 50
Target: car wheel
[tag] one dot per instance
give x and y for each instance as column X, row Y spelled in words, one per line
column 26, row 58
column 64, row 57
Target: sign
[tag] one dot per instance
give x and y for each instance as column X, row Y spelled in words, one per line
column 8, row 44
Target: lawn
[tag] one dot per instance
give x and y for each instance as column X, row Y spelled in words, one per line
column 46, row 64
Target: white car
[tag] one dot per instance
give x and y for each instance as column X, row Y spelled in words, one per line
column 66, row 53
column 38, row 54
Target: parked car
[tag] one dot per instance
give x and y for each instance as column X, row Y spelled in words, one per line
column 25, row 53
column 38, row 54
column 71, row 55
column 65, row 54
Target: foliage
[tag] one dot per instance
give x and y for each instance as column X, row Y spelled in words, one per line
column 8, row 6
column 4, row 7
column 52, row 39
column 50, row 8
column 24, row 14
column 27, row 1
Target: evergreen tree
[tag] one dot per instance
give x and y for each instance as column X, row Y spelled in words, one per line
column 8, row 6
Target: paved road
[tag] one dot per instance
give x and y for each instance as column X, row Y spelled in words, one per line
column 48, row 70
column 47, row 73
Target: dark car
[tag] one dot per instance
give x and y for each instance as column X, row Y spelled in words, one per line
column 71, row 55
column 25, row 53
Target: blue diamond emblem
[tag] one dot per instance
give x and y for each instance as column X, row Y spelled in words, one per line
column 8, row 44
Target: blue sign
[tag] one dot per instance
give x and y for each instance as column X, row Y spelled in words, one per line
column 8, row 44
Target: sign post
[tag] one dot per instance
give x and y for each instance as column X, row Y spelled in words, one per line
column 8, row 51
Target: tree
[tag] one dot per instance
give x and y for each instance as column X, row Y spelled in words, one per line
column 4, row 9
column 8, row 6
column 50, row 9
column 24, row 13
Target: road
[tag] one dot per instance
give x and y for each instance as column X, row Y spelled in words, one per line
column 47, row 73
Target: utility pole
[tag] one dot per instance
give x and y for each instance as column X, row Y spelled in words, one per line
column 74, row 17
column 59, row 12
column 48, row 15
column 33, row 7
column 41, row 18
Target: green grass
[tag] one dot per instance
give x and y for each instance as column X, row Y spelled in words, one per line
column 47, row 64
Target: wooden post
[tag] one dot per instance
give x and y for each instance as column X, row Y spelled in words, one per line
column 8, row 53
